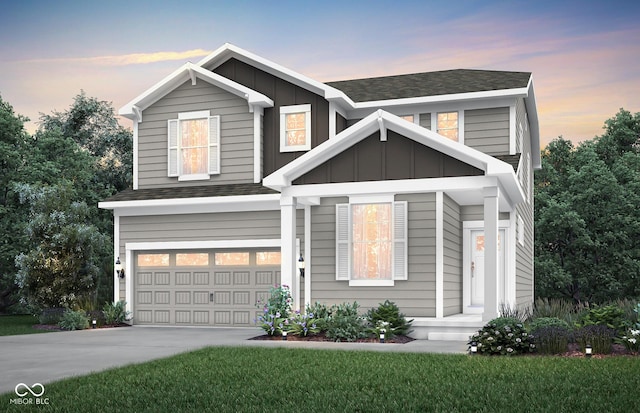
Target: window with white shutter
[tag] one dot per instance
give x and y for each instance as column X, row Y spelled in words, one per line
column 194, row 146
column 371, row 243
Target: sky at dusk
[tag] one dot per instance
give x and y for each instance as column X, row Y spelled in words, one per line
column 584, row 55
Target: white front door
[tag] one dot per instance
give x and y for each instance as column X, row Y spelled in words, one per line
column 476, row 251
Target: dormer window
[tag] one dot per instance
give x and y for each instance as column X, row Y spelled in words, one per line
column 448, row 125
column 194, row 146
column 295, row 128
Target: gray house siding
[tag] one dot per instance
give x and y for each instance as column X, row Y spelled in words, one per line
column 524, row 253
column 236, row 135
column 415, row 297
column 521, row 120
column 452, row 231
column 425, row 120
column 487, row 130
column 476, row 213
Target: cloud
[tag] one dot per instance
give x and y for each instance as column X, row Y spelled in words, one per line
column 127, row 59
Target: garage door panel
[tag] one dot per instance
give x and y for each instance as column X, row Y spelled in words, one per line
column 183, row 278
column 216, row 295
column 201, row 278
column 201, row 297
column 183, row 297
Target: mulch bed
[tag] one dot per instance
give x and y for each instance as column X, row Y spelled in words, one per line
column 323, row 337
column 53, row 327
column 616, row 350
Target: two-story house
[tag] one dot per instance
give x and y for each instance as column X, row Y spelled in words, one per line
column 414, row 188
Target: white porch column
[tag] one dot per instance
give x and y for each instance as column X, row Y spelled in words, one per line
column 288, row 247
column 491, row 254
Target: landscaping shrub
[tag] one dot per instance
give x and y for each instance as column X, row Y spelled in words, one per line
column 74, row 320
column 503, row 335
column 608, row 315
column 631, row 340
column 275, row 311
column 551, row 339
column 388, row 316
column 345, row 324
column 558, row 308
column 51, row 316
column 302, row 325
column 537, row 323
column 321, row 314
column 115, row 313
column 521, row 313
column 600, row 337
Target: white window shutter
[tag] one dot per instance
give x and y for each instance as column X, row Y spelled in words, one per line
column 400, row 244
column 214, row 144
column 342, row 242
column 172, row 127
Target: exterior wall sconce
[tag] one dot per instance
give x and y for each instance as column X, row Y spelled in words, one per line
column 474, row 348
column 588, row 350
column 119, row 268
column 301, row 265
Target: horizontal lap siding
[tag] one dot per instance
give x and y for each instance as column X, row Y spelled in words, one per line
column 415, row 297
column 476, row 213
column 200, row 227
column 452, row 231
column 236, row 135
column 487, row 130
column 524, row 254
column 520, row 124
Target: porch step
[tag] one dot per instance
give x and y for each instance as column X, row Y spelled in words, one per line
column 458, row 327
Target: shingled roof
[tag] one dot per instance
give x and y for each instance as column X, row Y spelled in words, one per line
column 430, row 84
column 202, row 191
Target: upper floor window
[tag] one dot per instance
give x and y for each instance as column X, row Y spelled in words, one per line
column 408, row 118
column 448, row 125
column 194, row 146
column 295, row 128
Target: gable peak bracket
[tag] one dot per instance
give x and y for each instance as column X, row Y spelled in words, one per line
column 383, row 128
column 137, row 113
column 192, row 75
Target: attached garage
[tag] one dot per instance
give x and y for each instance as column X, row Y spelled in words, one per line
column 202, row 288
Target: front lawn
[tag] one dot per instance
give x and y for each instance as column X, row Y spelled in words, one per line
column 250, row 379
column 13, row 325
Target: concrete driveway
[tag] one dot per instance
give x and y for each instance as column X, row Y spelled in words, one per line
column 43, row 358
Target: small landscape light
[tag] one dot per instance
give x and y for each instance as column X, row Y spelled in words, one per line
column 382, row 335
column 93, row 323
column 588, row 350
column 284, row 336
column 474, row 348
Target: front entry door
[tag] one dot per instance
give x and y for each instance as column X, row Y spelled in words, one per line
column 477, row 268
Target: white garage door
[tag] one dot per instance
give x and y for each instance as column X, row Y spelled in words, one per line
column 214, row 288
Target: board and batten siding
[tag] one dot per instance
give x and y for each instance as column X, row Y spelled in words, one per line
column 487, row 130
column 452, row 234
column 236, row 135
column 415, row 297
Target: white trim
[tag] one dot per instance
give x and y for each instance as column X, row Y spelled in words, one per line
column 200, row 114
column 332, row 120
column 295, row 290
column 286, row 110
column 135, row 155
column 371, row 283
column 128, row 278
column 461, row 126
column 257, row 146
column 512, row 129
column 371, row 199
column 439, row 255
column 116, row 254
column 193, row 177
column 185, row 73
column 307, row 256
column 203, row 245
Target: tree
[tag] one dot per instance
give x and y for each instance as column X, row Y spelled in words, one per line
column 587, row 244
column 13, row 140
column 63, row 266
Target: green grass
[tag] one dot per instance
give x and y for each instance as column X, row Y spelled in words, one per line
column 249, row 379
column 13, row 325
